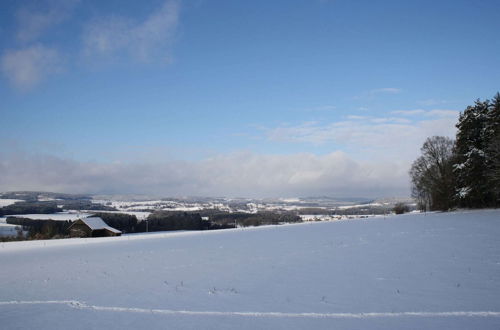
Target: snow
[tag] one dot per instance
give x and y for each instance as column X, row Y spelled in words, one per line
column 96, row 223
column 290, row 200
column 345, row 207
column 139, row 215
column 475, row 151
column 111, row 229
column 325, row 217
column 59, row 216
column 7, row 201
column 47, row 199
column 7, row 230
column 414, row 271
column 463, row 192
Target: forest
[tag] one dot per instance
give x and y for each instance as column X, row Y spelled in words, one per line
column 464, row 172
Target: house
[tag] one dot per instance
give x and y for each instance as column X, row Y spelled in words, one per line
column 92, row 227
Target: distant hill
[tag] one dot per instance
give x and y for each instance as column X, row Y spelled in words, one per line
column 33, row 196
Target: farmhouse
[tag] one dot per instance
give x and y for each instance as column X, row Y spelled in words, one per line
column 92, row 227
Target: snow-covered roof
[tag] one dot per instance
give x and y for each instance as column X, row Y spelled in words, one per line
column 96, row 223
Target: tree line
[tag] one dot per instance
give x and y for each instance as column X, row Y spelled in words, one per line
column 464, row 172
column 156, row 221
column 30, row 208
column 48, row 207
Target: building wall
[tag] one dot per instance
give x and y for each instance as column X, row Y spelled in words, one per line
column 80, row 230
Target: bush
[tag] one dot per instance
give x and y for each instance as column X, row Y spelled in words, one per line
column 401, row 208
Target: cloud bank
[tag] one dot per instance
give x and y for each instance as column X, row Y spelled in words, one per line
column 238, row 174
column 374, row 137
column 378, row 152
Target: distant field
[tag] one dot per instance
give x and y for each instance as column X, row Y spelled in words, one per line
column 6, row 201
column 434, row 271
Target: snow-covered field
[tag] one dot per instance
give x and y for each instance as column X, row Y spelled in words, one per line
column 325, row 217
column 155, row 205
column 138, row 214
column 434, row 271
column 7, row 230
column 7, row 201
column 60, row 216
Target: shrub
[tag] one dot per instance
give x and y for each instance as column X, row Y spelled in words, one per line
column 401, row 208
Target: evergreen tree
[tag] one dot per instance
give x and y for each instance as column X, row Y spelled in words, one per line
column 493, row 149
column 494, row 115
column 474, row 189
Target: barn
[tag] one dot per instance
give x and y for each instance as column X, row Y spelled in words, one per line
column 92, row 227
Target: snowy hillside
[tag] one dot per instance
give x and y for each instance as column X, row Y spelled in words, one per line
column 414, row 271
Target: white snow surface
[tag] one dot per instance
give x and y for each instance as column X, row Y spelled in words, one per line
column 415, row 271
column 139, row 215
column 96, row 223
column 7, row 230
column 7, row 201
column 59, row 216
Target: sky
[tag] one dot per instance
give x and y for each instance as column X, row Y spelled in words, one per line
column 235, row 98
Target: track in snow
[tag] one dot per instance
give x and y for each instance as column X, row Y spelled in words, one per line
column 81, row 305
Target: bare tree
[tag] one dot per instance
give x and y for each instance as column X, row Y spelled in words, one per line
column 432, row 175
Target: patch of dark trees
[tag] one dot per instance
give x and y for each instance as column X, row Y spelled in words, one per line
column 41, row 229
column 464, row 172
column 30, row 208
column 358, row 210
column 81, row 205
column 235, row 219
column 33, row 196
column 164, row 221
column 365, row 210
column 48, row 207
column 156, row 221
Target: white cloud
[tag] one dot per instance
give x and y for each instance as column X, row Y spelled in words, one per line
column 397, row 120
column 355, row 117
column 34, row 20
column 428, row 113
column 387, row 90
column 377, row 91
column 372, row 137
column 322, row 108
column 443, row 113
column 431, row 102
column 26, row 67
column 147, row 40
column 409, row 112
column 237, row 174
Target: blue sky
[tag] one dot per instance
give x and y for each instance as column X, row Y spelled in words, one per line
column 253, row 98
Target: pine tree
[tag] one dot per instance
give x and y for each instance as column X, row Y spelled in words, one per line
column 494, row 115
column 493, row 149
column 474, row 188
